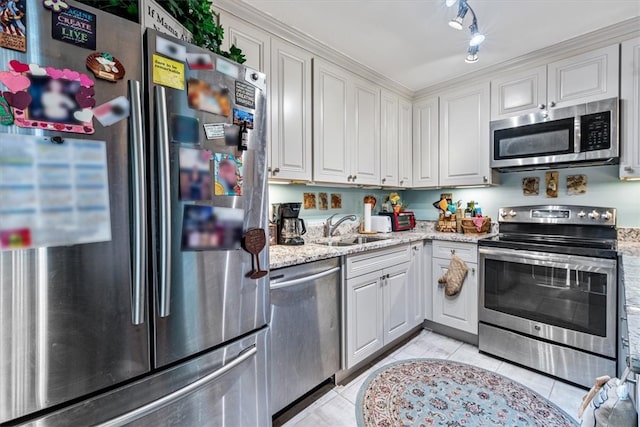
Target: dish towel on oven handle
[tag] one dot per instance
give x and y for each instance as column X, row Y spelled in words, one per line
column 454, row 277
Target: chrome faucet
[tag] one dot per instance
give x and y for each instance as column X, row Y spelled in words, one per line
column 330, row 228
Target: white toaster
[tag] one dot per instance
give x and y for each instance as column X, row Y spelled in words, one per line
column 381, row 224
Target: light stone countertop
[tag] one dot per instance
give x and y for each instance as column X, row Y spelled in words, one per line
column 284, row 256
column 630, row 271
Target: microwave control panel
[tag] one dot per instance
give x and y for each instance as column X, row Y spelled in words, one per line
column 595, row 131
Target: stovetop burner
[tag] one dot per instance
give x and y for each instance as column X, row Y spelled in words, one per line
column 557, row 229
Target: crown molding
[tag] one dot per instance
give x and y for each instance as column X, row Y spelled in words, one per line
column 602, row 37
column 268, row 23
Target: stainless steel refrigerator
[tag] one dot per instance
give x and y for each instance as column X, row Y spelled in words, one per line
column 156, row 321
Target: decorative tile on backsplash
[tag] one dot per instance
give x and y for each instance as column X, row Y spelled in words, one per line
column 629, row 234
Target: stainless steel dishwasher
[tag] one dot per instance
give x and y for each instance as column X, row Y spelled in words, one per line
column 305, row 329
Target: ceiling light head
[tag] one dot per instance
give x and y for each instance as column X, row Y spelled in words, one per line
column 476, row 37
column 450, row 3
column 456, row 22
column 472, row 55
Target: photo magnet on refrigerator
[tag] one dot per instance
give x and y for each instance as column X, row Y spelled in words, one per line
column 245, row 95
column 171, row 49
column 242, row 118
column 167, row 72
column 202, row 96
column 214, row 130
column 6, row 116
column 113, row 111
column 199, row 61
column 228, row 174
column 74, row 26
column 195, row 174
column 14, row 25
column 184, row 129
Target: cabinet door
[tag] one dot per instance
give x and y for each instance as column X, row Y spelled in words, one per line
column 364, row 317
column 464, row 136
column 591, row 76
column 405, row 143
column 460, row 311
column 520, row 93
column 290, row 111
column 630, row 107
column 416, row 287
column 365, row 124
column 396, row 290
column 255, row 43
column 331, row 101
column 389, row 143
column 425, row 143
column 427, row 281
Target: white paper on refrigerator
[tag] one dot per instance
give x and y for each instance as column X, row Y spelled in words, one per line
column 52, row 194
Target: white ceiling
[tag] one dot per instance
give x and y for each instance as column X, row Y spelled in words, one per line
column 410, row 42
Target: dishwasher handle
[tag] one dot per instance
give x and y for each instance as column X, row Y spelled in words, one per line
column 307, row 279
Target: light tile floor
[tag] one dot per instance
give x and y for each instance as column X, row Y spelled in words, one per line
column 336, row 407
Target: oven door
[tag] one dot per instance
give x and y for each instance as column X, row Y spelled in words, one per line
column 565, row 299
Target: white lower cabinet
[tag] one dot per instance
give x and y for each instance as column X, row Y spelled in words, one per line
column 377, row 304
column 460, row 311
column 416, row 283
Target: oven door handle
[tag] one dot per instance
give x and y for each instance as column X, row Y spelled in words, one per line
column 547, row 259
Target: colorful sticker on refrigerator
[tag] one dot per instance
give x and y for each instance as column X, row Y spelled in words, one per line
column 227, row 68
column 6, row 116
column 53, row 194
column 199, row 61
column 228, row 174
column 167, row 72
column 214, row 130
column 210, row 228
column 48, row 98
column 13, row 23
column 113, row 111
column 74, row 26
column 241, row 118
column 245, row 95
column 105, row 66
column 171, row 49
column 195, row 174
column 184, row 129
column 203, row 97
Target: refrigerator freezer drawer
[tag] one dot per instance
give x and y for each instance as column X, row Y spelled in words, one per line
column 227, row 387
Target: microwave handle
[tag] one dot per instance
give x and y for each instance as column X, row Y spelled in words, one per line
column 412, row 220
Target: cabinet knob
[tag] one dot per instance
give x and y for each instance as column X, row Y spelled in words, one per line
column 485, row 179
column 354, row 178
column 552, row 104
column 384, row 180
column 401, row 181
column 349, row 177
column 276, row 170
column 473, row 271
column 541, row 106
column 269, row 169
column 453, row 251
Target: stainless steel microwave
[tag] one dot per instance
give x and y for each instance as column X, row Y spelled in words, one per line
column 577, row 135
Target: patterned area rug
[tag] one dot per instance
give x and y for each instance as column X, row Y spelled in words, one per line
column 435, row 392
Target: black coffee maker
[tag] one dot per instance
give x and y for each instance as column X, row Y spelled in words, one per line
column 290, row 227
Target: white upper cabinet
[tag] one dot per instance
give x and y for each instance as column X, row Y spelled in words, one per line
column 346, row 127
column 405, row 143
column 425, row 143
column 464, row 136
column 589, row 77
column 255, row 43
column 331, row 101
column 291, row 114
column 630, row 108
column 389, row 144
column 520, row 93
column 364, row 121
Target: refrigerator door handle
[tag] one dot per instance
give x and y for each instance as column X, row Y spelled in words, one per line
column 164, row 181
column 139, row 213
column 158, row 404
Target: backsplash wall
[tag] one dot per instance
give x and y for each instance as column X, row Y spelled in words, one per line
column 603, row 189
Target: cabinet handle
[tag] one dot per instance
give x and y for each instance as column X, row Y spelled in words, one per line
column 384, row 180
column 269, row 169
column 349, row 177
column 541, row 106
column 628, row 169
column 625, row 342
column 401, row 181
column 552, row 104
column 485, row 179
column 354, row 178
column 453, row 251
column 276, row 170
column 473, row 271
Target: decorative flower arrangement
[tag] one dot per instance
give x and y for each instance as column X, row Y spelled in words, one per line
column 396, row 202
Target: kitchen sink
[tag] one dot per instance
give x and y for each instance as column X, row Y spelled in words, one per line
column 360, row 240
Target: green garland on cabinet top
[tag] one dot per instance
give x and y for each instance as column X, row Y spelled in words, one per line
column 197, row 16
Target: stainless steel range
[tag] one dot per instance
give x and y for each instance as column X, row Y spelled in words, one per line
column 548, row 290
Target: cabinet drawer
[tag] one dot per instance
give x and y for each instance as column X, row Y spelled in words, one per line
column 466, row 251
column 377, row 260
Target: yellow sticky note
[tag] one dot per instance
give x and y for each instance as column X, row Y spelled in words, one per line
column 167, row 72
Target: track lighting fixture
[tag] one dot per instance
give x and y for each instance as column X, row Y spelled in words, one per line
column 457, row 23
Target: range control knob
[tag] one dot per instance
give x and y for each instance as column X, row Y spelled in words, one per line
column 607, row 216
column 503, row 213
column 594, row 215
column 581, row 214
column 512, row 213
